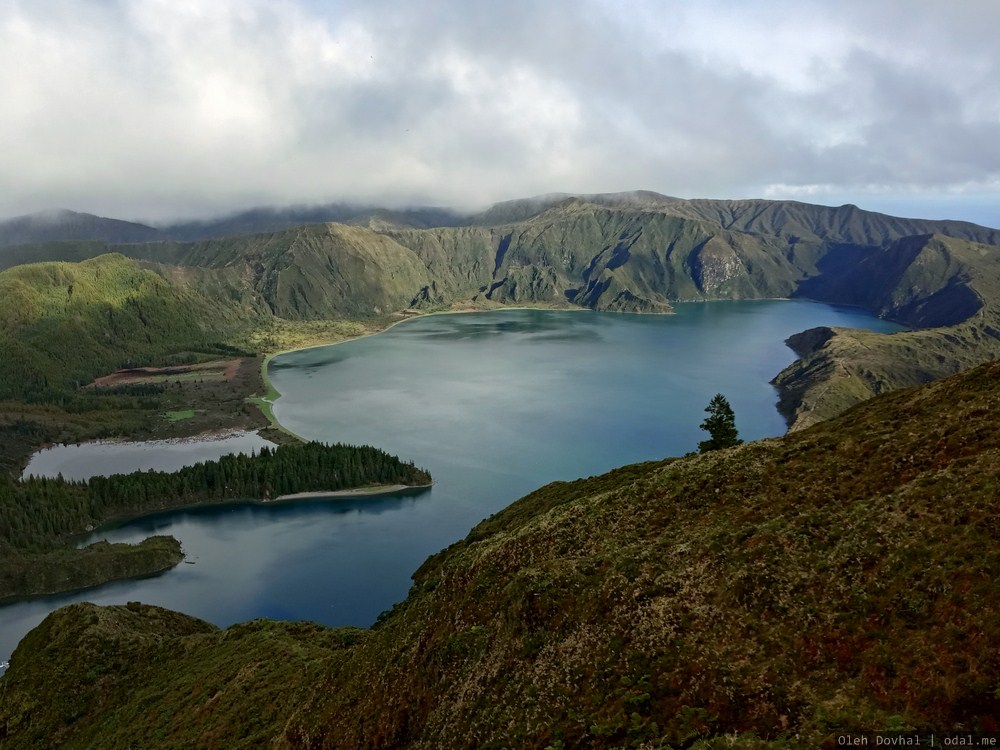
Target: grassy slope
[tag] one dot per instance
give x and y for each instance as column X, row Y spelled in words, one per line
column 600, row 257
column 843, row 578
column 950, row 285
column 312, row 272
column 63, row 324
column 630, row 253
column 66, row 323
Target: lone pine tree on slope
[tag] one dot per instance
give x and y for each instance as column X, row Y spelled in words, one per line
column 720, row 425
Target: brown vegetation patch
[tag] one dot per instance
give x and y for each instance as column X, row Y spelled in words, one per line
column 224, row 369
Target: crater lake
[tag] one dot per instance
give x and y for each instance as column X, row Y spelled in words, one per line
column 494, row 405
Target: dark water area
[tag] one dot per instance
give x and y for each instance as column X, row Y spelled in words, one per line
column 494, row 405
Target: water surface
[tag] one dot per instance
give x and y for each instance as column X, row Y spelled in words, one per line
column 104, row 457
column 494, row 405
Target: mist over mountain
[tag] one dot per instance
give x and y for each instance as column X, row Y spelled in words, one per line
column 275, row 219
column 588, row 613
column 627, row 252
column 63, row 225
column 766, row 216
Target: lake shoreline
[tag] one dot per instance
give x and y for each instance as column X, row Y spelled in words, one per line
column 265, row 403
column 373, row 491
column 302, row 561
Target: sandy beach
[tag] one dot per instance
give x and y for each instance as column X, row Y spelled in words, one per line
column 383, row 489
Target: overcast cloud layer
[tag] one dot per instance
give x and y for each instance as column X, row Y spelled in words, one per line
column 158, row 109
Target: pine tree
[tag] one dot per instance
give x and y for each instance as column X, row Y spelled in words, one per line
column 720, row 425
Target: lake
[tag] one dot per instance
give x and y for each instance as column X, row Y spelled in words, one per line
column 494, row 405
column 106, row 457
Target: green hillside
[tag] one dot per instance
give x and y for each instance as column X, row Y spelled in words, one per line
column 949, row 288
column 631, row 252
column 316, row 271
column 63, row 324
column 620, row 258
column 778, row 594
column 54, row 226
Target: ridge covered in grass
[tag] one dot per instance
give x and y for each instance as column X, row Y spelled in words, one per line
column 843, row 578
column 632, row 252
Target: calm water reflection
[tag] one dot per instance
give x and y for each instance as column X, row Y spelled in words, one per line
column 88, row 459
column 494, row 405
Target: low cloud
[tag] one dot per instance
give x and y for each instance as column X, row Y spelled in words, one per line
column 153, row 109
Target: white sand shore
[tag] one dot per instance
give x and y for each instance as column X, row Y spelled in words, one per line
column 382, row 489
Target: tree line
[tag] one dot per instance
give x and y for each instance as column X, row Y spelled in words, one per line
column 37, row 514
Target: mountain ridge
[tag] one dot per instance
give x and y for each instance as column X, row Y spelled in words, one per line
column 65, row 225
column 633, row 252
column 749, row 214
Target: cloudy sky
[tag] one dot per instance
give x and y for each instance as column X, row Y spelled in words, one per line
column 158, row 109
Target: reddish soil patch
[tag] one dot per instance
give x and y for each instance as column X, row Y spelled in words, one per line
column 225, row 368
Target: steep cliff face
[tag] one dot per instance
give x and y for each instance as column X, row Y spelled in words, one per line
column 948, row 289
column 596, row 256
column 841, row 579
column 924, row 281
column 636, row 252
column 610, row 255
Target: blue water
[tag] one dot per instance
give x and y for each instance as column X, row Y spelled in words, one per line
column 494, row 405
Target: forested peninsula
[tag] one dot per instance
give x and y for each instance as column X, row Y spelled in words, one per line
column 163, row 333
column 39, row 516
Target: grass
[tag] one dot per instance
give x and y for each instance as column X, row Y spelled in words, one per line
column 840, row 580
column 265, row 403
column 178, row 416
